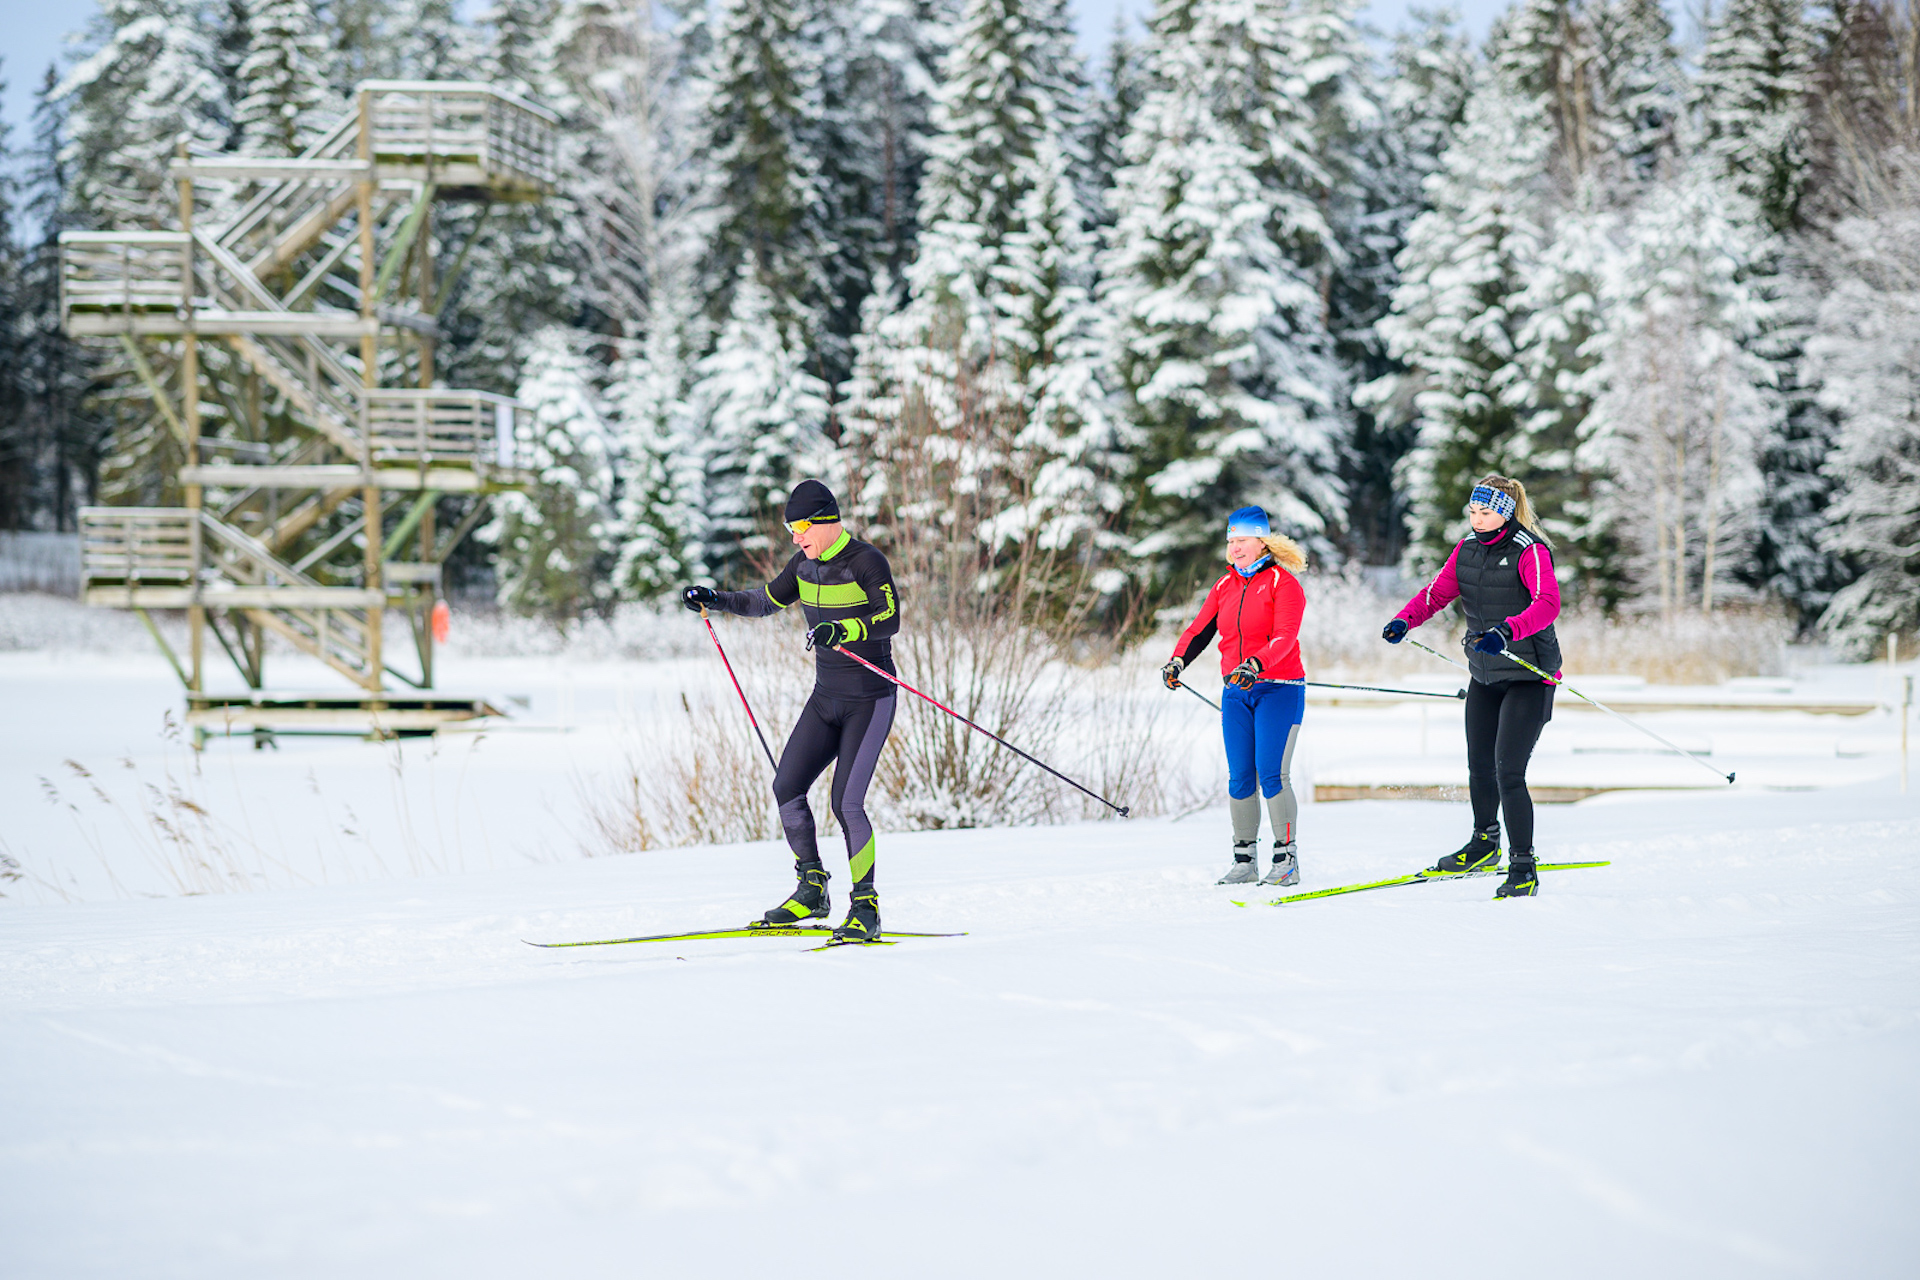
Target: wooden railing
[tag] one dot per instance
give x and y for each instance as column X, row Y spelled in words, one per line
column 135, row 545
column 438, row 428
column 124, row 271
column 438, row 123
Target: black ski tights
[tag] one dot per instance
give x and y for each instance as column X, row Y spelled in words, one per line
column 1503, row 722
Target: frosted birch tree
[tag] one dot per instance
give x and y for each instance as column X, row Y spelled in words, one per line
column 1681, row 405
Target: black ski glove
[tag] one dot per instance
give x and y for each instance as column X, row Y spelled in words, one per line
column 698, row 598
column 828, row 635
column 1245, row 674
column 1394, row 632
column 1170, row 674
column 1492, row 640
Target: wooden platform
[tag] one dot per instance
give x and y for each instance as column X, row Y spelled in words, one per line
column 1324, row 792
column 349, row 714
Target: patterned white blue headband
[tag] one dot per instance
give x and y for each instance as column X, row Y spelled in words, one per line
column 1498, row 501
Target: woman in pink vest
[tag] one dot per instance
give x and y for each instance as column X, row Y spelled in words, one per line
column 1255, row 610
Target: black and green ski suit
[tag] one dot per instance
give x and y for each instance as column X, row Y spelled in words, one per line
column 850, row 712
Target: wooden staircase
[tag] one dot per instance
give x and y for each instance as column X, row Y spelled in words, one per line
column 310, row 275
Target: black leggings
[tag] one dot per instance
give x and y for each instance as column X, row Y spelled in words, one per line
column 832, row 729
column 1503, row 722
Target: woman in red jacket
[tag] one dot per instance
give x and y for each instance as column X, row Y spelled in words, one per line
column 1256, row 610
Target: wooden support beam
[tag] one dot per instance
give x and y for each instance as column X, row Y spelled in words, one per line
column 461, row 530
column 408, row 523
column 408, row 230
column 166, row 650
column 154, row 388
column 279, row 535
column 308, row 645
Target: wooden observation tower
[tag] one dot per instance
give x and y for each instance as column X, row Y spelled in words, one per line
column 312, row 513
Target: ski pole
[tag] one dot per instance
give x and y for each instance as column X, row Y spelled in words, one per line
column 1318, row 684
column 737, row 689
column 1443, row 657
column 1370, row 688
column 1117, row 808
column 1622, row 719
column 1196, row 693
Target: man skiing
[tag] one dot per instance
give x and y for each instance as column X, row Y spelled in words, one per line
column 845, row 590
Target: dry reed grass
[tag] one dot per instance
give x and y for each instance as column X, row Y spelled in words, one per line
column 1340, row 639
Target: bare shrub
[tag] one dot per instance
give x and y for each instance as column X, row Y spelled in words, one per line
column 699, row 779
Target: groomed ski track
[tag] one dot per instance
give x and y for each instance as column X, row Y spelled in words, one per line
column 1695, row 1062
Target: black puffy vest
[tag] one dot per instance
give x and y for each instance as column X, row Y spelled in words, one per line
column 1491, row 592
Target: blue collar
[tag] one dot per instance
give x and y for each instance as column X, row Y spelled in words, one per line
column 1253, row 568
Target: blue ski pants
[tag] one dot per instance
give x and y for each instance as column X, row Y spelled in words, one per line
column 1258, row 724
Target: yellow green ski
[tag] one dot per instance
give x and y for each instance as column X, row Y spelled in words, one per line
column 750, row 931
column 1420, row 877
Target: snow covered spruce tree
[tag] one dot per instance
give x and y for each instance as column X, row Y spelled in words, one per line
column 1376, row 139
column 281, row 79
column 151, row 82
column 757, row 224
column 878, row 73
column 994, row 357
column 51, row 440
column 1750, row 98
column 1424, row 100
column 1577, row 112
column 1864, row 356
column 1863, row 351
column 150, row 85
column 1611, row 82
column 1213, row 286
column 1459, row 310
column 553, row 554
column 1681, row 403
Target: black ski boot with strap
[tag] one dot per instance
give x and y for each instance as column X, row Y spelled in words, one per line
column 809, row 900
column 1523, row 877
column 863, row 918
column 1481, row 853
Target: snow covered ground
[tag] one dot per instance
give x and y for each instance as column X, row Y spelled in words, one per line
column 1698, row 1061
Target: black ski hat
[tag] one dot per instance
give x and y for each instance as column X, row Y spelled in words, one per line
column 812, row 500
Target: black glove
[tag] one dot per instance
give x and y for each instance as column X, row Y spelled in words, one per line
column 698, row 598
column 1170, row 674
column 1492, row 640
column 828, row 635
column 1245, row 674
column 1394, row 632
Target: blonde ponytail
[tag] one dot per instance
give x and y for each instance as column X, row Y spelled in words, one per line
column 1285, row 552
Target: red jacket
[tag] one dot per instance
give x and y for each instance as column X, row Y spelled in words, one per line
column 1257, row 617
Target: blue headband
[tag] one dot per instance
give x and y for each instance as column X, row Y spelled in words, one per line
column 1249, row 522
column 1499, row 501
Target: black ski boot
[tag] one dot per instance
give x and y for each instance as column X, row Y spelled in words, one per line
column 1481, row 853
column 809, row 900
column 1523, row 878
column 863, row 919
